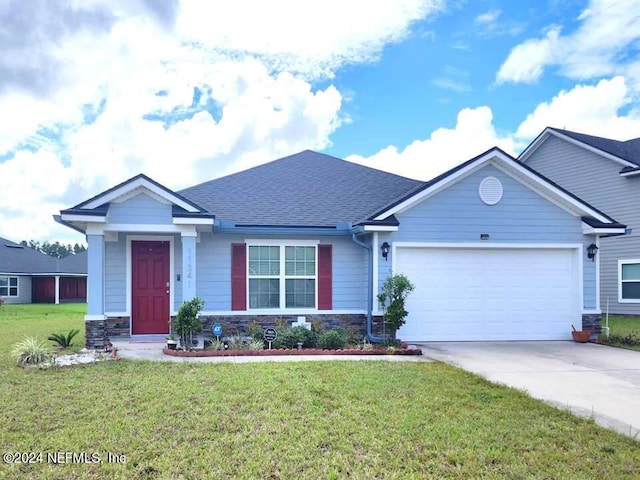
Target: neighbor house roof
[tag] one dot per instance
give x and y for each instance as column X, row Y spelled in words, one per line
column 627, row 152
column 305, row 189
column 16, row 258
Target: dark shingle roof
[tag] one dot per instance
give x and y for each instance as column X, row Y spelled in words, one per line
column 628, row 150
column 305, row 189
column 73, row 263
column 15, row 258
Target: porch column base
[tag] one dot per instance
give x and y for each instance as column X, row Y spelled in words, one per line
column 95, row 332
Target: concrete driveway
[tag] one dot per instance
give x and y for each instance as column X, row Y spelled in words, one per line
column 585, row 379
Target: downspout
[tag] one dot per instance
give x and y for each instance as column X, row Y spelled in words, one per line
column 370, row 336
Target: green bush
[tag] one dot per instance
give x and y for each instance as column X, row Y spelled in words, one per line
column 255, row 330
column 63, row 340
column 30, row 352
column 336, row 338
column 215, row 344
column 289, row 337
column 395, row 291
column 187, row 324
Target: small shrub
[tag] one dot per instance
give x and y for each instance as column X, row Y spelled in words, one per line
column 336, row 338
column 187, row 324
column 30, row 352
column 255, row 344
column 317, row 326
column 62, row 340
column 630, row 340
column 254, row 330
column 395, row 291
column 239, row 342
column 289, row 337
column 353, row 336
column 216, row 344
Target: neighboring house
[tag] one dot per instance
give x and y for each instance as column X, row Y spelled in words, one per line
column 605, row 173
column 495, row 251
column 29, row 276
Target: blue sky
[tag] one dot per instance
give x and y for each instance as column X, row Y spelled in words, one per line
column 187, row 91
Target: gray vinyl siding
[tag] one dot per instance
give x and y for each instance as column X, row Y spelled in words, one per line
column 141, row 209
column 596, row 180
column 24, row 289
column 522, row 216
column 213, row 276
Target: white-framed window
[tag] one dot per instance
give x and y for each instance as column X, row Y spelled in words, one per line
column 8, row 286
column 282, row 276
column 629, row 281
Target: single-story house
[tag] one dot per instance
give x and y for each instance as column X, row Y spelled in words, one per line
column 29, row 276
column 495, row 250
column 603, row 172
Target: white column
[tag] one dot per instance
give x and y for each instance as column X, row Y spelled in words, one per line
column 188, row 265
column 57, row 289
column 95, row 275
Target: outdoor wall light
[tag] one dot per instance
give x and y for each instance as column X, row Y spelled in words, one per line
column 591, row 251
column 385, row 250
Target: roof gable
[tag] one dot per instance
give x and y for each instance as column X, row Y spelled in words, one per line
column 134, row 186
column 505, row 162
column 625, row 153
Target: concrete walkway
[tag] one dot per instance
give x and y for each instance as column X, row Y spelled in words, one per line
column 588, row 380
column 152, row 350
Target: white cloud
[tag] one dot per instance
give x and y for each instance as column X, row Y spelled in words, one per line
column 605, row 109
column 312, row 38
column 591, row 109
column 488, row 17
column 604, row 44
column 105, row 90
column 445, row 148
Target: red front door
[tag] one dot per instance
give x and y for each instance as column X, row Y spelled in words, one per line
column 150, row 287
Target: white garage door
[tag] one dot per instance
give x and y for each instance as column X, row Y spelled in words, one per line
column 490, row 294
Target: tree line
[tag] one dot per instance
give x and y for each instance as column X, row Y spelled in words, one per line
column 57, row 249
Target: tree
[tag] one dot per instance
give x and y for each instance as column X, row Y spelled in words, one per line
column 187, row 324
column 395, row 291
column 57, row 249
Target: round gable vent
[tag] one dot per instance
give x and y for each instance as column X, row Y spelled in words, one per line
column 490, row 190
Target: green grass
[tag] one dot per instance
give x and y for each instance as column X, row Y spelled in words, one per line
column 624, row 332
column 360, row 420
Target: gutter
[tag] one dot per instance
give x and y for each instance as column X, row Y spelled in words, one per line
column 370, row 336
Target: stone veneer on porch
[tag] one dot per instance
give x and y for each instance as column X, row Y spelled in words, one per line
column 100, row 332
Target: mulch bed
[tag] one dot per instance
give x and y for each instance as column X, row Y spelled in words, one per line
column 283, row 351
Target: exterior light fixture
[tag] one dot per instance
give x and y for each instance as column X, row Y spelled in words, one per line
column 591, row 251
column 385, row 250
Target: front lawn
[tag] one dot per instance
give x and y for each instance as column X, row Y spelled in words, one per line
column 370, row 419
column 624, row 332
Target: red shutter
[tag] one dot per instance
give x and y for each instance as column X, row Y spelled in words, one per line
column 238, row 276
column 325, row 269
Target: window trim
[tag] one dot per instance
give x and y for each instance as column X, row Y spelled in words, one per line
column 9, row 287
column 282, row 278
column 630, row 261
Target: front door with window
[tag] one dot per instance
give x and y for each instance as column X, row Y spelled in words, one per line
column 150, row 287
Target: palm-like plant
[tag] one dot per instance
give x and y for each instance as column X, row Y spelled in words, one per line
column 62, row 340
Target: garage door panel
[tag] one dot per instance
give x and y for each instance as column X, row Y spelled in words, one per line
column 489, row 294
